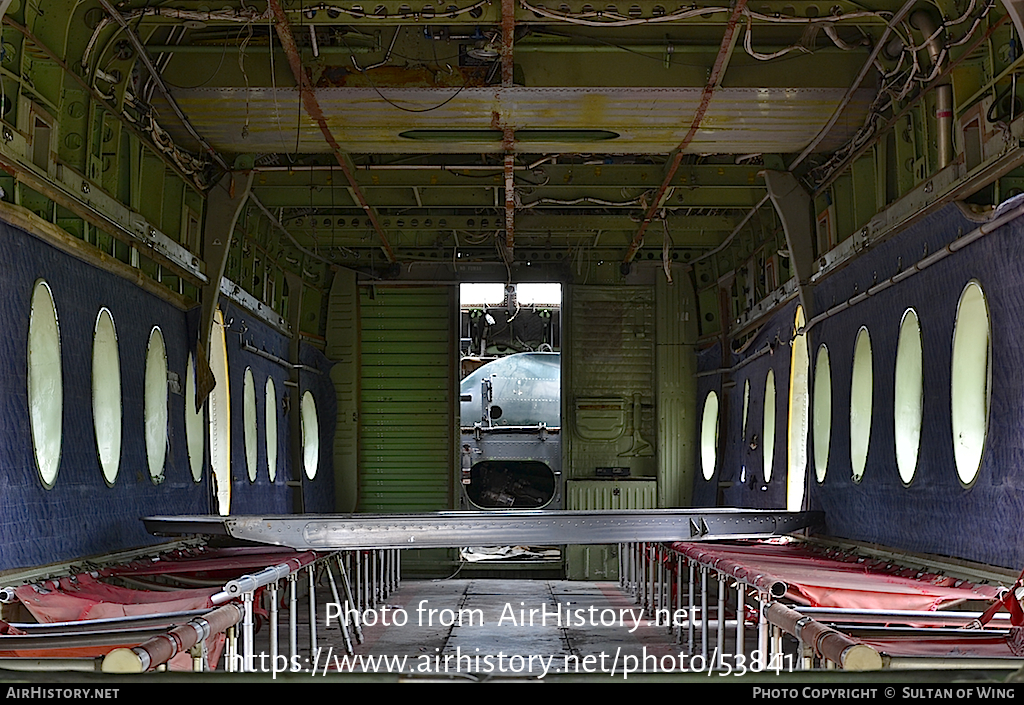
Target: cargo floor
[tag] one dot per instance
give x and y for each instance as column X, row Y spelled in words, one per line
column 482, row 628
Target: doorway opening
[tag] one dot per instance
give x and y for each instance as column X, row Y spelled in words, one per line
column 510, row 396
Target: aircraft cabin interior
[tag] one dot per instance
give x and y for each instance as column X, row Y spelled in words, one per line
column 697, row 323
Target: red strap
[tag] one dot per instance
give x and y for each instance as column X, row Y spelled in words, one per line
column 1010, row 602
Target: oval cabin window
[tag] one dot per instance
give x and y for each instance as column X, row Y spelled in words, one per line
column 249, row 423
column 769, row 425
column 908, row 398
column 45, row 383
column 106, row 395
column 822, row 413
column 310, row 436
column 861, row 390
column 971, row 381
column 271, row 428
column 709, row 436
column 156, row 405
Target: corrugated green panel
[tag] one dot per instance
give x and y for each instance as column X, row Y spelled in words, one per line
column 381, row 352
column 406, row 400
column 405, row 335
column 419, row 385
column 398, row 326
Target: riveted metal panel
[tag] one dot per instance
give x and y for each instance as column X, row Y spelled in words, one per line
column 739, row 120
column 612, row 367
column 676, row 395
column 601, row 562
column 343, row 347
column 612, row 494
column 406, row 400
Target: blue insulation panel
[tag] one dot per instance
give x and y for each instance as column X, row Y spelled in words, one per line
column 81, row 515
column 935, row 513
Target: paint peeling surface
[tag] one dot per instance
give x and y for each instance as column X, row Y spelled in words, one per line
column 737, row 119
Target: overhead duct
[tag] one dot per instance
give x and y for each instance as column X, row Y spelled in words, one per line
column 923, row 21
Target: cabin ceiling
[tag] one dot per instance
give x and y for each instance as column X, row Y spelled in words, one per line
column 423, row 103
column 397, row 131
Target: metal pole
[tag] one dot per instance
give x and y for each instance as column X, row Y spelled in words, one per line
column 704, row 612
column 247, row 632
column 653, row 560
column 312, row 608
column 349, row 600
column 762, row 631
column 641, row 574
column 367, row 580
column 741, row 612
column 343, row 621
column 720, row 631
column 692, row 607
column 676, row 627
column 632, row 569
column 293, row 626
column 273, row 622
column 373, row 580
column 659, row 595
column 622, row 576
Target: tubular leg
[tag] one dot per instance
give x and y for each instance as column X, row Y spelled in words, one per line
column 720, row 632
column 349, row 601
column 652, row 557
column 704, row 613
column 762, row 631
column 740, row 614
column 247, row 633
column 293, row 624
column 312, row 608
column 343, row 621
column 678, row 628
column 692, row 609
column 274, row 648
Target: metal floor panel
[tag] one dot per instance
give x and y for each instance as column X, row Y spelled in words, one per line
column 488, row 528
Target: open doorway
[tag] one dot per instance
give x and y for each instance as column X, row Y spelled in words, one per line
column 510, row 396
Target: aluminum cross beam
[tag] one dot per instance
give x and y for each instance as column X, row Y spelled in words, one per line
column 322, row 532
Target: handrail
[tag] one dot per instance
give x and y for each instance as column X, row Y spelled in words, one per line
column 837, row 647
column 161, row 649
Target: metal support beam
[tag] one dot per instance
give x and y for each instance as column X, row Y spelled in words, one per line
column 793, row 204
column 451, row 529
column 714, row 80
column 295, row 449
column 223, row 206
column 312, row 106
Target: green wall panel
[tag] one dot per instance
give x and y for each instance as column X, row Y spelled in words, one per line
column 406, row 399
column 343, row 346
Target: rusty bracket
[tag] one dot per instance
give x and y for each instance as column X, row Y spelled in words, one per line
column 284, row 32
column 714, row 80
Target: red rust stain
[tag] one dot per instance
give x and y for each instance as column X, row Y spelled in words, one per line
column 495, row 120
column 402, row 77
